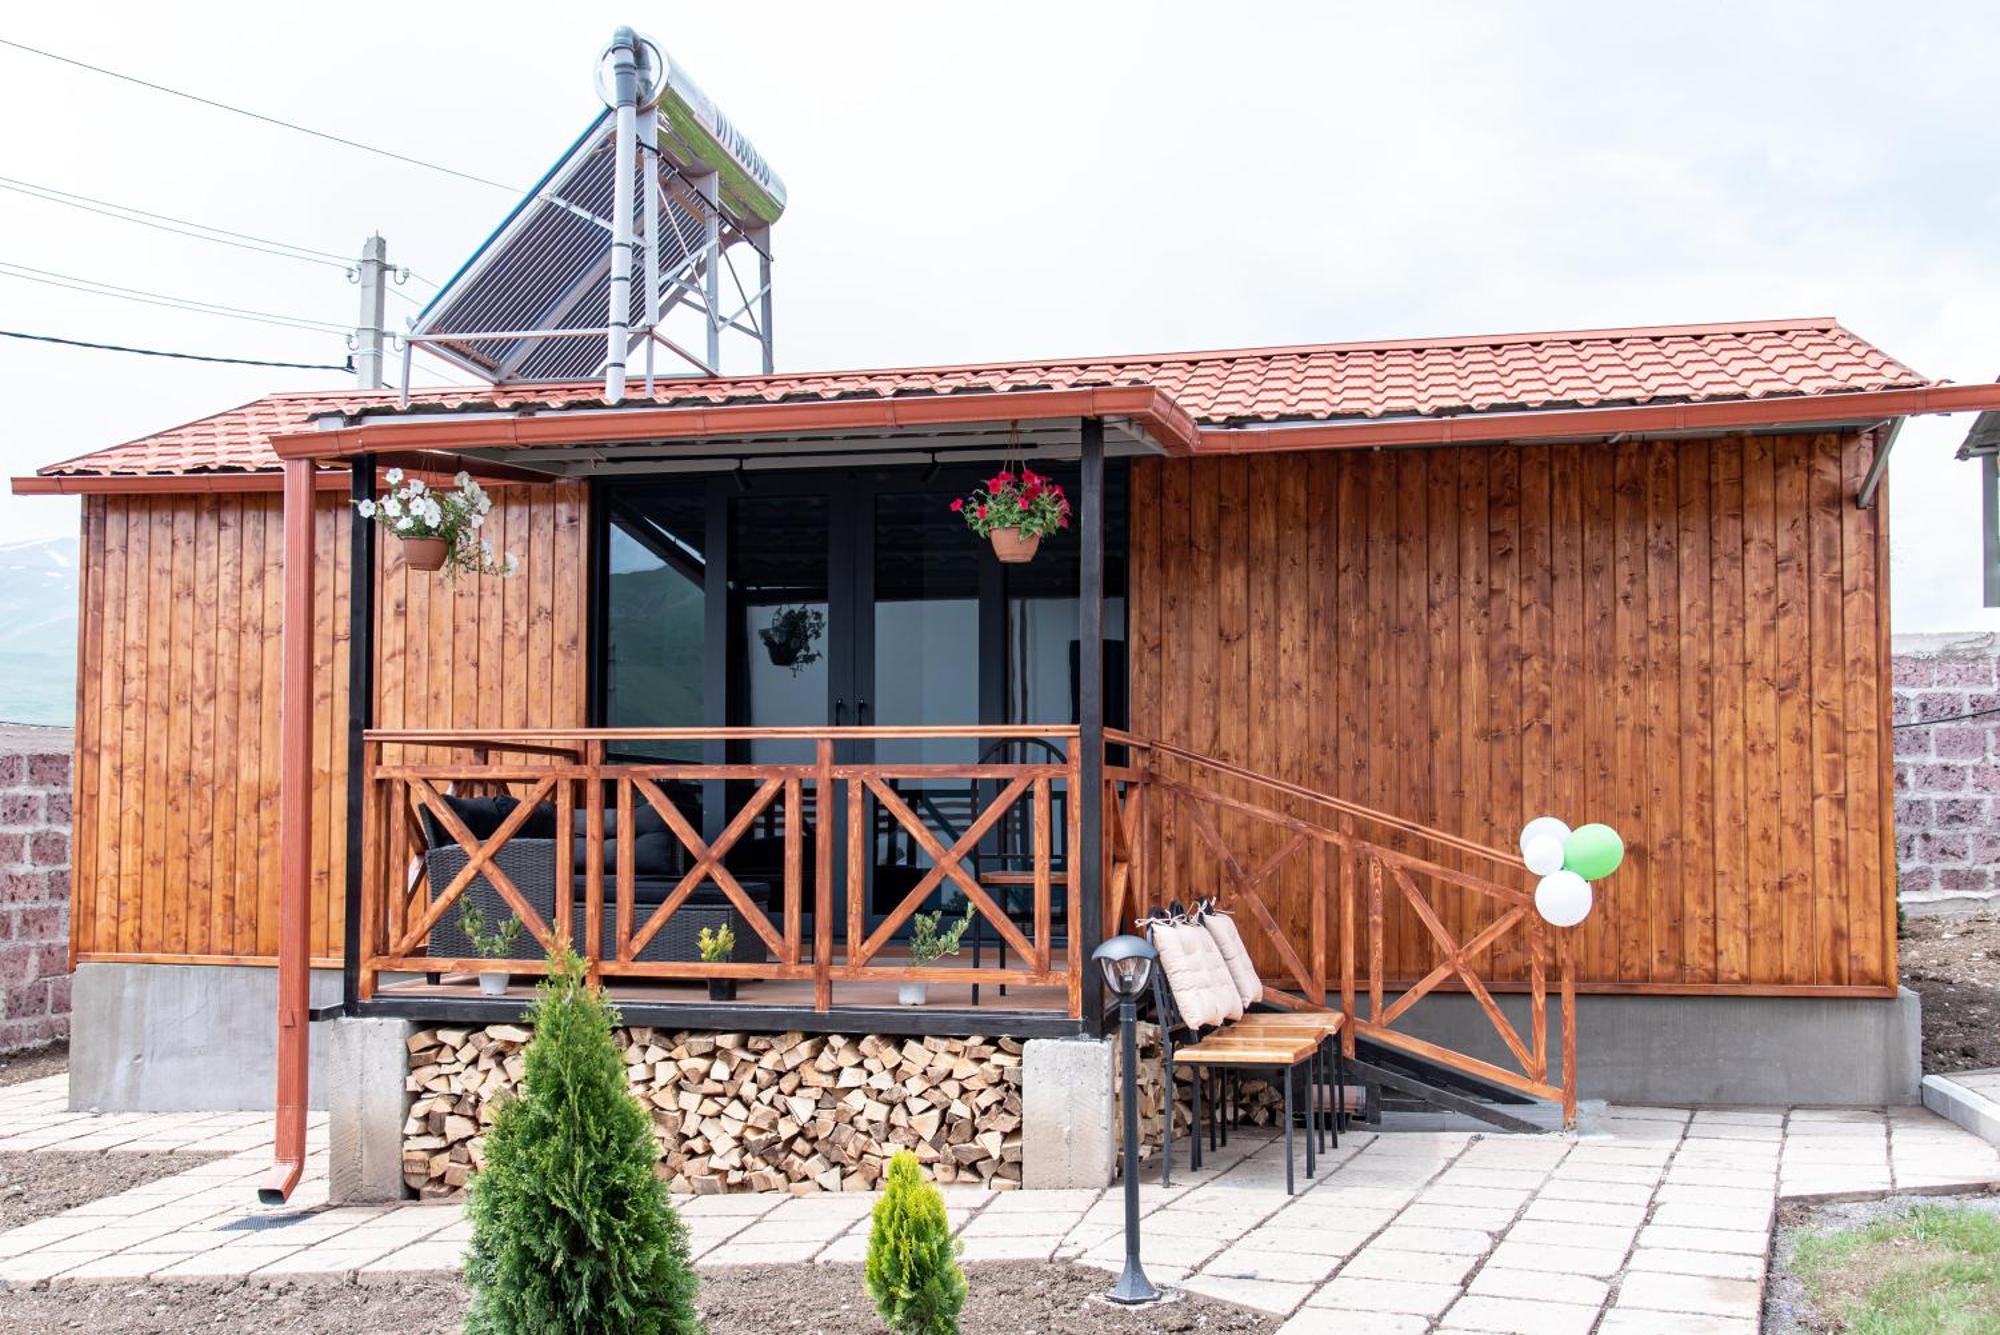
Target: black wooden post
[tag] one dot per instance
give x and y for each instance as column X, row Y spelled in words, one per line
column 1087, row 917
column 360, row 713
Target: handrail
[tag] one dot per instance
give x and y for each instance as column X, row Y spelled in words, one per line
column 1358, row 879
column 1289, row 789
column 913, row 732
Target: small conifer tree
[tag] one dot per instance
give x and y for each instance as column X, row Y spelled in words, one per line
column 572, row 1230
column 913, row 1273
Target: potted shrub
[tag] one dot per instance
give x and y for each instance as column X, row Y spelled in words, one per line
column 499, row 944
column 790, row 637
column 718, row 946
column 1015, row 513
column 927, row 943
column 439, row 529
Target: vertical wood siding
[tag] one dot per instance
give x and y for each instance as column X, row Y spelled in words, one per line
column 177, row 721
column 1686, row 640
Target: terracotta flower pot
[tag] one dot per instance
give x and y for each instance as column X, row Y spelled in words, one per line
column 424, row 553
column 1011, row 547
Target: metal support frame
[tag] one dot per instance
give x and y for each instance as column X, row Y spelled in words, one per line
column 360, row 714
column 295, row 802
column 1088, row 916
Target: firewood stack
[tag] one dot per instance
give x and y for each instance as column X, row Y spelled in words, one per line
column 747, row 1112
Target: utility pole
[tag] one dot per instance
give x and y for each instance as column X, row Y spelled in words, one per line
column 371, row 333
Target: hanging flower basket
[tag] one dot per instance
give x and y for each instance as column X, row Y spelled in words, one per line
column 1012, row 546
column 1015, row 512
column 425, row 553
column 439, row 529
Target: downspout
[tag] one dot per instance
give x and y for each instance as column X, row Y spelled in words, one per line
column 295, row 795
column 624, row 56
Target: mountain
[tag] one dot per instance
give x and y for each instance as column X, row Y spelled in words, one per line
column 38, row 582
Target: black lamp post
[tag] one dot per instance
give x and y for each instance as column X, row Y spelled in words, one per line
column 1127, row 962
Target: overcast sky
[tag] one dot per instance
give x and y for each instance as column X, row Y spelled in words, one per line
column 1039, row 179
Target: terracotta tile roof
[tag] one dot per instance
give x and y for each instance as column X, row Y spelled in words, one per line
column 1320, row 383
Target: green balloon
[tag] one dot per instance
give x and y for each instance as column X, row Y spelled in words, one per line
column 1593, row 851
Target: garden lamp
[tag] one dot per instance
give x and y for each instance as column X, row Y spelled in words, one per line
column 1127, row 962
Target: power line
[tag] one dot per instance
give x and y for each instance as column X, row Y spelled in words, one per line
column 258, row 116
column 50, row 278
column 177, row 226
column 178, row 356
column 1955, row 718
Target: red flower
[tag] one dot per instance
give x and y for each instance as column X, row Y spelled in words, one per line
column 958, row 505
column 1063, row 522
column 982, row 512
column 1030, row 479
column 1032, row 488
column 1000, row 479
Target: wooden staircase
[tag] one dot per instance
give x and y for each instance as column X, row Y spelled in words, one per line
column 1353, row 909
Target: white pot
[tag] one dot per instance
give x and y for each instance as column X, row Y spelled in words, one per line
column 910, row 994
column 494, row 984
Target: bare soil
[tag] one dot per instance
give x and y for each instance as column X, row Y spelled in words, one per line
column 1007, row 1298
column 1954, row 964
column 17, row 1068
column 35, row 1184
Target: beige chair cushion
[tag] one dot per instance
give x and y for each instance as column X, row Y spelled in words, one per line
column 1204, row 991
column 1229, row 942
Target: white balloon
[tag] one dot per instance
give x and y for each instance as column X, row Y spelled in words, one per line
column 1563, row 898
column 1543, row 825
column 1543, row 854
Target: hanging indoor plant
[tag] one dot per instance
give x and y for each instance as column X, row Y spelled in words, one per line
column 439, row 528
column 926, row 944
column 790, row 637
column 1015, row 512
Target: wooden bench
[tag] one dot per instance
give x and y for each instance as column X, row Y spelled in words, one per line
column 1272, row 1040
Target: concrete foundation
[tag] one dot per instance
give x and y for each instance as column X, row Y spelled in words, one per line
column 1068, row 1137
column 183, row 1037
column 365, row 1064
column 1710, row 1050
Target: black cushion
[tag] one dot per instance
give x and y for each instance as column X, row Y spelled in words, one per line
column 481, row 816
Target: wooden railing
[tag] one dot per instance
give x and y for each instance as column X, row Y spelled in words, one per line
column 815, row 927
column 1180, row 826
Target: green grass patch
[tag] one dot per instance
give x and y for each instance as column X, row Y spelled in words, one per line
column 1931, row 1270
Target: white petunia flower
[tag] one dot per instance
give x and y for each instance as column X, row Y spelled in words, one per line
column 366, row 509
column 477, row 519
column 416, row 486
column 404, row 523
column 463, row 479
column 394, row 476
column 509, row 566
column 393, row 508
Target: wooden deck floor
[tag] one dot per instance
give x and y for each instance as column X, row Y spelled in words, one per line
column 787, row 993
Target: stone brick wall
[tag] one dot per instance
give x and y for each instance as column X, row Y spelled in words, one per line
column 34, row 885
column 1947, row 772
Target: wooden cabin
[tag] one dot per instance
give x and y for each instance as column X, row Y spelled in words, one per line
column 1332, row 623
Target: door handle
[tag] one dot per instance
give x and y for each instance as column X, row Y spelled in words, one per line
column 839, row 711
column 861, row 712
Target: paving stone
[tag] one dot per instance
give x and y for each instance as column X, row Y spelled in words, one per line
column 1721, row 1265
column 1332, row 1321
column 1551, row 1233
column 1244, row 1262
column 1036, row 1223
column 1491, row 1198
column 1518, row 1316
column 1385, row 1295
column 1540, row 1286
column 1561, row 1210
column 1559, row 1260
column 1308, row 1242
column 1691, row 1293
column 1017, row 1247
column 1638, row 1321
column 1703, row 1239
column 1261, row 1294
column 1742, row 1218
column 1450, row 1241
column 1610, row 1193
column 763, row 1253
column 1378, row 1262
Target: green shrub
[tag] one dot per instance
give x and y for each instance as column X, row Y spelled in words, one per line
column 913, row 1273
column 571, row 1227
